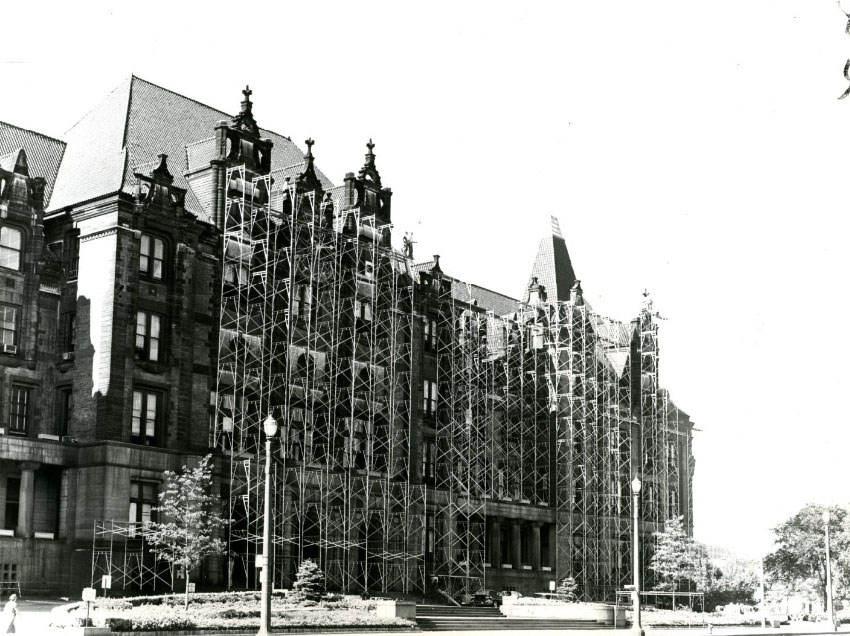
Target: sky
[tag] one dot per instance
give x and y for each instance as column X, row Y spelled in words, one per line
column 694, row 150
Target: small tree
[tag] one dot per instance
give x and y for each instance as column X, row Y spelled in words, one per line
column 567, row 590
column 187, row 530
column 309, row 581
column 677, row 561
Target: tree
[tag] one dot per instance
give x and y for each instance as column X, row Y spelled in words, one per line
column 309, row 581
column 567, row 589
column 678, row 562
column 800, row 556
column 188, row 526
column 735, row 582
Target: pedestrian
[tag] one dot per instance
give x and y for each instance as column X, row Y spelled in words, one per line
column 10, row 612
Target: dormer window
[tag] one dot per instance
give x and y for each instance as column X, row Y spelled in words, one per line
column 10, row 248
column 151, row 257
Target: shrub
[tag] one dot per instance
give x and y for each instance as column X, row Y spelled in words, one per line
column 567, row 589
column 309, row 581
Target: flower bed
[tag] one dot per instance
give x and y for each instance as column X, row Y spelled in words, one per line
column 687, row 618
column 223, row 611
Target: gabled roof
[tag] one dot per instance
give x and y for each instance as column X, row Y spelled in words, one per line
column 128, row 129
column 499, row 304
column 43, row 153
column 553, row 267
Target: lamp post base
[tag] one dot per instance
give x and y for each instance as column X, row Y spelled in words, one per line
column 637, row 631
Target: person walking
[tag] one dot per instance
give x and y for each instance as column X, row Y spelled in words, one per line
column 10, row 612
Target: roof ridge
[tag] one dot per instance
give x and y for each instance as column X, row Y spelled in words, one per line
column 97, row 105
column 195, row 101
column 34, row 132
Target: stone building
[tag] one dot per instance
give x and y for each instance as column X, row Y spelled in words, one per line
column 170, row 274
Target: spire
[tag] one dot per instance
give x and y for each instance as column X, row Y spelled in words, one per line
column 553, row 267
column 369, row 172
column 308, row 177
column 245, row 119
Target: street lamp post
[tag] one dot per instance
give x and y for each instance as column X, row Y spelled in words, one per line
column 636, row 626
column 829, row 611
column 270, row 428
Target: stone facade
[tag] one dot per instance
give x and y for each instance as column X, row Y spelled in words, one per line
column 111, row 301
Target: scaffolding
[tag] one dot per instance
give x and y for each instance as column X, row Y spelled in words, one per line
column 121, row 551
column 316, row 323
column 552, row 406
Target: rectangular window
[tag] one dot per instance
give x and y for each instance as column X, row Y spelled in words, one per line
column 146, row 417
column 429, row 534
column 10, row 248
column 70, row 331
column 148, row 336
column 19, row 409
column 143, row 500
column 64, row 409
column 151, row 256
column 363, row 310
column 13, row 498
column 8, row 325
column 73, row 262
column 429, row 397
column 430, row 335
column 429, row 457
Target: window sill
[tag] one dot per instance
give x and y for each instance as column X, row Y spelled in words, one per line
column 150, row 367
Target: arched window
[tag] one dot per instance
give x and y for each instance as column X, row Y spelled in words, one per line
column 10, row 248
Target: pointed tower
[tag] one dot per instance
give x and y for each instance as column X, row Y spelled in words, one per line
column 553, row 268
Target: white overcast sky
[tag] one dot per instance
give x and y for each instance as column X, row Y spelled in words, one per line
column 696, row 149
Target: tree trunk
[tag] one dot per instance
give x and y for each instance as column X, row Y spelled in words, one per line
column 186, row 599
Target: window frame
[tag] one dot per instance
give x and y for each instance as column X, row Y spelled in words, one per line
column 148, row 258
column 137, row 502
column 70, row 336
column 64, row 409
column 144, row 352
column 141, row 437
column 16, row 330
column 19, row 251
column 429, row 335
column 16, row 501
column 430, row 396
column 15, row 391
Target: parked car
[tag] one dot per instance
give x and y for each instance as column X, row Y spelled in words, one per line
column 484, row 598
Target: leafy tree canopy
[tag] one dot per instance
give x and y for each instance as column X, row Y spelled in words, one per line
column 678, row 562
column 189, row 524
column 799, row 560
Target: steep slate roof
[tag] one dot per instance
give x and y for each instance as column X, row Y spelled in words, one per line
column 553, row 267
column 499, row 304
column 129, row 128
column 43, row 153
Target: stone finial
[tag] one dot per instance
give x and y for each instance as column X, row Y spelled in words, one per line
column 161, row 173
column 536, row 292
column 436, row 266
column 245, row 119
column 369, row 172
column 577, row 294
column 309, row 141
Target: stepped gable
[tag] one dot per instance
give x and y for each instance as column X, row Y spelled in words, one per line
column 44, row 154
column 130, row 128
column 553, row 267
